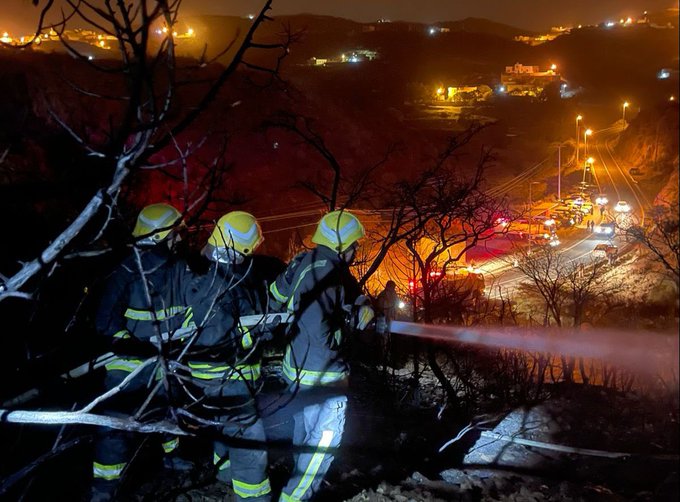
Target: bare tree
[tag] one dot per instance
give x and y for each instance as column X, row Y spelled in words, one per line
column 150, row 129
column 662, row 238
column 150, row 78
column 545, row 269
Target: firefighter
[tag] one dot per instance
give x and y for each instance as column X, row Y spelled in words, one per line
column 387, row 304
column 139, row 305
column 318, row 289
column 224, row 360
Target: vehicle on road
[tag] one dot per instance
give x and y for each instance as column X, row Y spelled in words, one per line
column 601, row 200
column 607, row 229
column 576, row 203
column 586, row 208
column 539, row 239
column 622, row 207
column 608, row 251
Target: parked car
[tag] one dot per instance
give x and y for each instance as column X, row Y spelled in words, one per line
column 605, row 251
column 586, row 208
column 599, row 251
column 622, row 207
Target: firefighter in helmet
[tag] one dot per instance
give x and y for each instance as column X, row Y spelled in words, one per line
column 318, row 289
column 140, row 306
column 224, row 361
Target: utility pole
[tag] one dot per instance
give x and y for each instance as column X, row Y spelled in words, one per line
column 559, row 171
column 530, row 217
column 578, row 136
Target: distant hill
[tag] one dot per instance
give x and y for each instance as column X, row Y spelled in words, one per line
column 620, row 63
column 472, row 45
column 480, row 25
column 665, row 17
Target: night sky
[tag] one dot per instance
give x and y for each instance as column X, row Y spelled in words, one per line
column 529, row 14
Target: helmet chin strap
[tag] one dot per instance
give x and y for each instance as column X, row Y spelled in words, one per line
column 170, row 240
column 349, row 254
column 227, row 256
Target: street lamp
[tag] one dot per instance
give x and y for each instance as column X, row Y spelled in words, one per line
column 587, row 166
column 578, row 119
column 625, row 105
column 587, row 133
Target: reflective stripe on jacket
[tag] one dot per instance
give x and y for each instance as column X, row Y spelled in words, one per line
column 315, row 287
column 225, row 350
column 124, row 310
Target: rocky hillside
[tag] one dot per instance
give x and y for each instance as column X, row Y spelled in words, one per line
column 651, row 142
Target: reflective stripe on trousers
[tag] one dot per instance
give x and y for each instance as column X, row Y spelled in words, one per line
column 171, row 445
column 318, row 427
column 109, row 472
column 217, row 459
column 251, row 490
column 247, row 463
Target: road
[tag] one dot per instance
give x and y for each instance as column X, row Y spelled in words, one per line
column 611, row 177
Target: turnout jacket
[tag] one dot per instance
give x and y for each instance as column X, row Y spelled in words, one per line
column 318, row 289
column 225, row 349
column 125, row 311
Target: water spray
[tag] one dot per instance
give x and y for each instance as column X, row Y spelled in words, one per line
column 641, row 351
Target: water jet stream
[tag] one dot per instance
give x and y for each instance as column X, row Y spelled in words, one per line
column 642, row 351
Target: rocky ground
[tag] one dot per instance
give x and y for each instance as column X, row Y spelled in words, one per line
column 582, row 443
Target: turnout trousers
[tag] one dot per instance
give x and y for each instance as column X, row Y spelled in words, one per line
column 318, row 430
column 242, row 455
column 113, row 449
